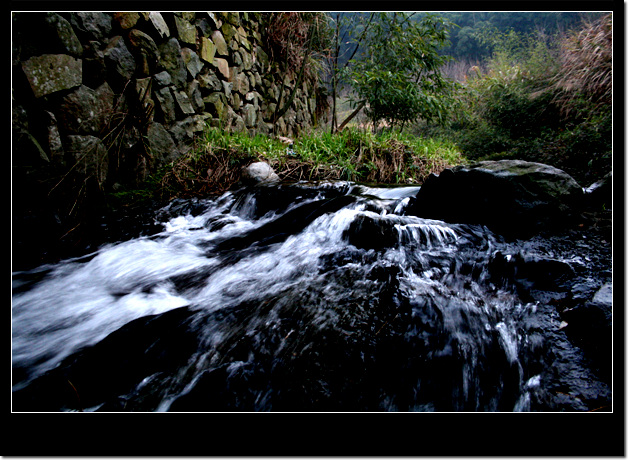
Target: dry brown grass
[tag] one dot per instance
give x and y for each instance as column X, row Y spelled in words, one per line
column 587, row 65
column 212, row 173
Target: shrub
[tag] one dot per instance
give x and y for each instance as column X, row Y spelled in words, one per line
column 399, row 76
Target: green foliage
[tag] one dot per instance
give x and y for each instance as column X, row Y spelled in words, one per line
column 214, row 165
column 528, row 103
column 388, row 157
column 399, row 73
column 465, row 42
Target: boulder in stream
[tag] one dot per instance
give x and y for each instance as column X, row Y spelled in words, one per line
column 512, row 197
column 259, row 172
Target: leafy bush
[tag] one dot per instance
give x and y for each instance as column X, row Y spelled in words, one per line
column 399, row 75
column 539, row 101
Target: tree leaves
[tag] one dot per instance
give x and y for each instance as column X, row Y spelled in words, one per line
column 399, row 75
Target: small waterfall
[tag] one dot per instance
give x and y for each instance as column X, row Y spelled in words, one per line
column 287, row 298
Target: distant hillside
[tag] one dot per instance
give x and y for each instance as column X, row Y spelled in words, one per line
column 464, row 44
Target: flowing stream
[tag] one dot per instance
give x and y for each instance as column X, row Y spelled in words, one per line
column 306, row 297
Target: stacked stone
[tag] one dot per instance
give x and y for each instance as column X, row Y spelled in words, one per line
column 145, row 83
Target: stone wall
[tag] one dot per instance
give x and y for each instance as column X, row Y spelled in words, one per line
column 113, row 96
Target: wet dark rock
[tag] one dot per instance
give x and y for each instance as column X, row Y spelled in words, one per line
column 258, row 201
column 118, row 363
column 512, row 197
column 599, row 196
column 182, row 207
column 290, row 223
column 230, row 387
column 590, row 325
column 366, row 232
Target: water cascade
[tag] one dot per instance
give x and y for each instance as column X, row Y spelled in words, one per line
column 306, row 297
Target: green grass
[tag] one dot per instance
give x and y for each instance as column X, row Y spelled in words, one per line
column 363, row 156
column 214, row 164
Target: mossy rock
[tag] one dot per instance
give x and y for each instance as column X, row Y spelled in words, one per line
column 512, row 197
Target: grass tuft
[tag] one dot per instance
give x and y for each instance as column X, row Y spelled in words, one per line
column 214, row 164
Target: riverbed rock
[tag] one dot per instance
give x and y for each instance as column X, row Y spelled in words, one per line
column 599, row 196
column 368, row 232
column 590, row 324
column 259, row 172
column 513, row 197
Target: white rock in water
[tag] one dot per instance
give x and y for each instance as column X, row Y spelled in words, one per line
column 604, row 296
column 259, row 172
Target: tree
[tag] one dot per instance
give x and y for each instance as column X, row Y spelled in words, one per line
column 399, row 73
column 350, row 32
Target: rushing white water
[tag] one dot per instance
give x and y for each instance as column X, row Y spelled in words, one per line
column 287, row 295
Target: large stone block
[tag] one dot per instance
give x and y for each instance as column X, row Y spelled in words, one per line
column 86, row 111
column 120, row 62
column 64, row 35
column 50, row 73
column 241, row 84
column 250, row 115
column 159, row 24
column 223, row 67
column 126, row 19
column 221, row 44
column 145, row 51
column 209, row 82
column 216, row 103
column 192, row 61
column 184, row 103
column 171, row 60
column 208, row 50
column 196, row 98
column 166, row 105
column 162, row 147
column 185, row 30
column 92, row 25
